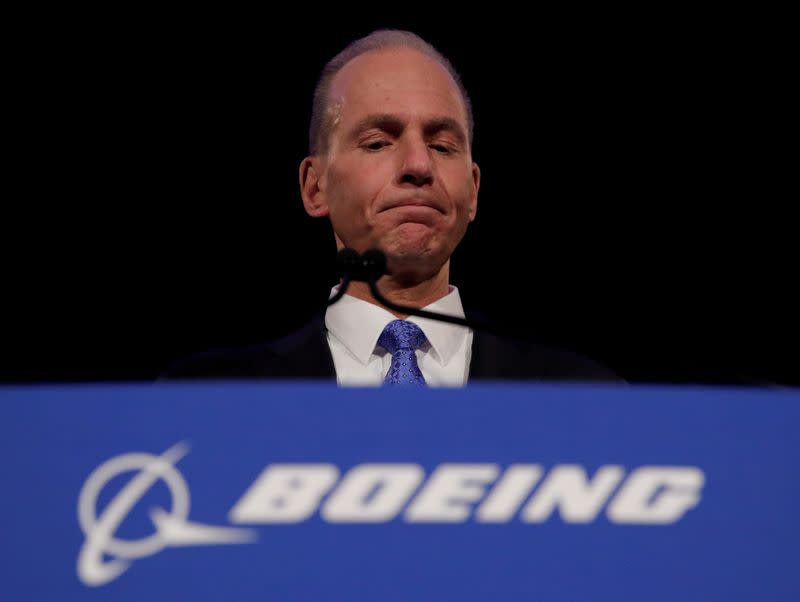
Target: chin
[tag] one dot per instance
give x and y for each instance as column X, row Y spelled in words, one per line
column 414, row 252
column 414, row 263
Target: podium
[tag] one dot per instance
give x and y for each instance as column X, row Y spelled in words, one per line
column 302, row 491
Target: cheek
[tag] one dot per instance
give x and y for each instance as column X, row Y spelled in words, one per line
column 353, row 193
column 354, row 185
column 463, row 197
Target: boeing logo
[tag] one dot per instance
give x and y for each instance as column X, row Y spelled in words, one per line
column 375, row 493
column 171, row 529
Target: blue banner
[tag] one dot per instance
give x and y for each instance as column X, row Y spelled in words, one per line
column 300, row 492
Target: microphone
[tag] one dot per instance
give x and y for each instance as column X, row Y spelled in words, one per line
column 369, row 267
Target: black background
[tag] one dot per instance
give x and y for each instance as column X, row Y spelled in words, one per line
column 637, row 188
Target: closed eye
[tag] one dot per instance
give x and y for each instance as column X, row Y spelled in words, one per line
column 376, row 145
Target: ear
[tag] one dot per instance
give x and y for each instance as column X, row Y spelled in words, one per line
column 476, row 184
column 312, row 186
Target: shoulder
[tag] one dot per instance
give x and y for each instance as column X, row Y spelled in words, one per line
column 300, row 354
column 497, row 357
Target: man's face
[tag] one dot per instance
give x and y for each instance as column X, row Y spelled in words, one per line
column 398, row 173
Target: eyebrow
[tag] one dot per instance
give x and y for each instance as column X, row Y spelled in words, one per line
column 394, row 125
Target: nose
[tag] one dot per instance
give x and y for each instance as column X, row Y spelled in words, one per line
column 417, row 163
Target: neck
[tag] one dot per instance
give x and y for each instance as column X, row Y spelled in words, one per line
column 417, row 294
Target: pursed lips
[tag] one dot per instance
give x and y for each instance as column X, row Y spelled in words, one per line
column 413, row 202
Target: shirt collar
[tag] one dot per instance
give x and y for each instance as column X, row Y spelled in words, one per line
column 358, row 324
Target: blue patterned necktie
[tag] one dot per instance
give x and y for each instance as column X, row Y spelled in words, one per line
column 401, row 338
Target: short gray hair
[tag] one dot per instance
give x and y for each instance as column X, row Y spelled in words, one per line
column 320, row 128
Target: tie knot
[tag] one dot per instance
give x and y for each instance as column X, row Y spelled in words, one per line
column 400, row 334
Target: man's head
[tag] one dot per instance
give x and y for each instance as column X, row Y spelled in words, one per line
column 391, row 161
column 322, row 117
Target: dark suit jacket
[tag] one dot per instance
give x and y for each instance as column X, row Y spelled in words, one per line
column 305, row 354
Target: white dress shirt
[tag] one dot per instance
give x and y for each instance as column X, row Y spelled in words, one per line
column 354, row 327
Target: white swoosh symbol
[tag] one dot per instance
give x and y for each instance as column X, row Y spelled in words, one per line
column 172, row 529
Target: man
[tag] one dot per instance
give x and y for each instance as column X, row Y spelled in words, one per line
column 390, row 164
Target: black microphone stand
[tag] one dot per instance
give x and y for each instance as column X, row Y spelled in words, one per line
column 369, row 268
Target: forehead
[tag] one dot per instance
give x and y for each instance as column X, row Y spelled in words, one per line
column 397, row 80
